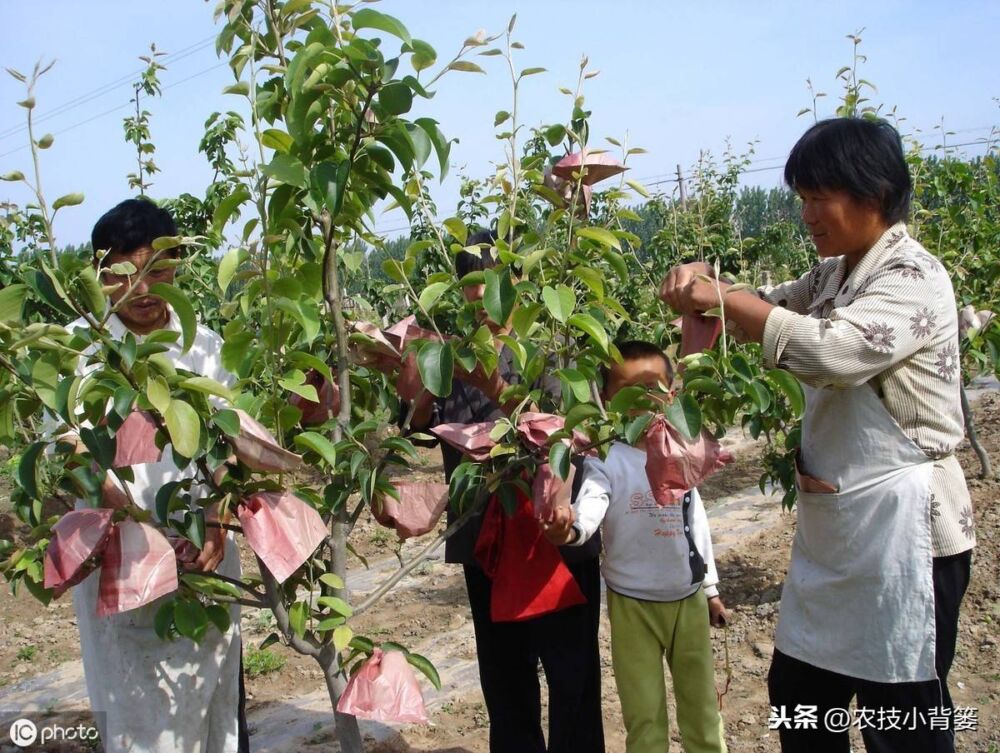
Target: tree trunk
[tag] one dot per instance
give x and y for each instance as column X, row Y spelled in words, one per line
column 348, row 731
column 970, row 428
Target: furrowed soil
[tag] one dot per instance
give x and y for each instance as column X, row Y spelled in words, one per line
column 428, row 611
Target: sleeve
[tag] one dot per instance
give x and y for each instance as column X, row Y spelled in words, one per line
column 592, row 502
column 878, row 329
column 794, row 295
column 703, row 540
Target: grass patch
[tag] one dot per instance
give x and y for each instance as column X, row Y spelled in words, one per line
column 257, row 663
column 27, row 653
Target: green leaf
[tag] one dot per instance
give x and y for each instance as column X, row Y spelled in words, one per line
column 269, row 641
column 457, row 228
column 219, row 616
column 328, row 185
column 742, row 367
column 158, row 393
column 559, row 456
column 12, row 302
column 638, row 188
column 501, row 117
column 13, row 175
column 332, row 580
column 226, row 208
column 182, row 309
column 626, row 398
column 600, row 235
column 336, row 604
column 342, row 637
column 311, row 440
column 207, row 386
column 424, row 56
column 560, row 302
column 531, row 72
column 442, row 146
column 465, row 66
column 703, row 384
column 685, row 415
column 430, row 294
column 525, row 316
column 228, row 421
column 69, row 200
column 227, row 267
column 637, row 427
column 167, row 242
column 760, row 395
column 287, row 169
column 499, row 295
column 588, row 324
column 396, row 98
column 792, row 389
column 577, row 383
column 436, row 364
column 366, row 18
column 27, row 469
column 184, row 428
column 91, row 291
column 580, row 413
column 190, row 618
column 277, row 140
column 297, row 615
column 164, row 620
column 425, row 666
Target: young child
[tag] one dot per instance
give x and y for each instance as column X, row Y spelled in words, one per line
column 661, row 578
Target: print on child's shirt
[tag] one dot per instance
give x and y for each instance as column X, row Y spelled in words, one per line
column 667, row 521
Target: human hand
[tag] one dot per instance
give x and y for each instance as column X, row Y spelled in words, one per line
column 684, row 292
column 557, row 526
column 211, row 554
column 718, row 616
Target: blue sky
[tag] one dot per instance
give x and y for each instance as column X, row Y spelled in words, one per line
column 675, row 78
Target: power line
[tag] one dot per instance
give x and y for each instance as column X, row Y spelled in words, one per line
column 100, row 91
column 785, row 157
column 118, row 107
column 978, row 142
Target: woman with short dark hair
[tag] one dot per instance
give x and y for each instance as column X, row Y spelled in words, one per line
column 882, row 552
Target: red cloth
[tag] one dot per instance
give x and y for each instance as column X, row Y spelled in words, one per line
column 528, row 573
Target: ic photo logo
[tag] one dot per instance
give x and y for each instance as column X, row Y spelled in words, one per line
column 24, row 733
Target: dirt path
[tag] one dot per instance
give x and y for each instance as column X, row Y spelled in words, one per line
column 289, row 710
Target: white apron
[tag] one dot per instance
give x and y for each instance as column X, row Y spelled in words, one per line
column 154, row 696
column 149, row 695
column 859, row 595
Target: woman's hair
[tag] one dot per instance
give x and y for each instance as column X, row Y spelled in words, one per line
column 862, row 157
column 467, row 261
column 133, row 224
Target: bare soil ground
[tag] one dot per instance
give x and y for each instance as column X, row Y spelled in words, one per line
column 431, row 610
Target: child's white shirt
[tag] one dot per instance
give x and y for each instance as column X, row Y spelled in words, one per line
column 647, row 548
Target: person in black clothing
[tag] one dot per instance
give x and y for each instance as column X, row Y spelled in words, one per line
column 565, row 642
